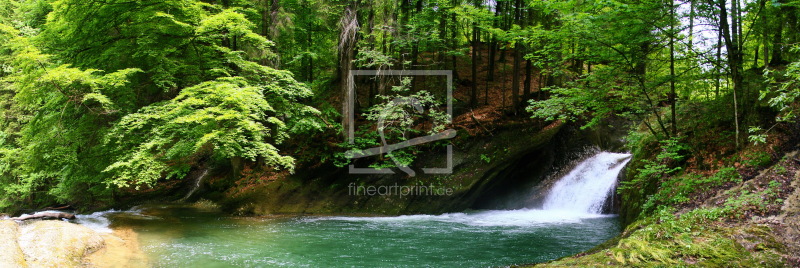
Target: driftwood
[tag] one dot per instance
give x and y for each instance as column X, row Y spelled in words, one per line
column 46, row 216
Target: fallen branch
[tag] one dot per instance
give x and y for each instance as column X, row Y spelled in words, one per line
column 472, row 114
column 46, row 216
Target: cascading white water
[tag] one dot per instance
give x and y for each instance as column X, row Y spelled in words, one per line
column 585, row 188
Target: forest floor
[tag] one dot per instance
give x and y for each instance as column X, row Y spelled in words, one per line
column 494, row 106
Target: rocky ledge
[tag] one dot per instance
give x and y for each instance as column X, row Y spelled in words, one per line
column 54, row 244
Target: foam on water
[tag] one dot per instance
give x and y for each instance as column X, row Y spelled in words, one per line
column 99, row 221
column 519, row 217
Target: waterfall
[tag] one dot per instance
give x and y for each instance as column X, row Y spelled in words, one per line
column 197, row 183
column 586, row 187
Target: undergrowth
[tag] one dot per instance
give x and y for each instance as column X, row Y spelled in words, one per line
column 699, row 237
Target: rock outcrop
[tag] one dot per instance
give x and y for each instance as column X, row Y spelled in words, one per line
column 46, row 244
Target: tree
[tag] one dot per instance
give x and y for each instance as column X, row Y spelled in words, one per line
column 165, row 84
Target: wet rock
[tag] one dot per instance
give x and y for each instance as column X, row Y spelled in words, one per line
column 57, row 243
column 9, row 249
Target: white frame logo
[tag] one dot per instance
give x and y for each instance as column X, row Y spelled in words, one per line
column 387, row 148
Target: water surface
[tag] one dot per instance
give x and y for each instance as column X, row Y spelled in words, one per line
column 174, row 236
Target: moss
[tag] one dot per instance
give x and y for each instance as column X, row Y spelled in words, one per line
column 692, row 239
column 727, row 230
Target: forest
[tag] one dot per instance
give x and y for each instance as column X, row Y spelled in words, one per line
column 108, row 103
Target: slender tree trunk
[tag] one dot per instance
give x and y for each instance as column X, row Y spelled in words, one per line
column 526, row 89
column 730, row 36
column 515, row 73
column 777, row 40
column 415, row 45
column 443, row 36
column 718, row 73
column 347, row 40
column 493, row 43
column 765, row 32
column 673, row 96
column 473, row 96
column 691, row 23
column 269, row 29
column 454, row 37
column 502, row 11
column 492, row 53
column 310, row 58
column 791, row 21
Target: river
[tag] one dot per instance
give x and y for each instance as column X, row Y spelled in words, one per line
column 186, row 236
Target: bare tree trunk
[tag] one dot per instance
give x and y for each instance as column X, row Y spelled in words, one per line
column 730, row 36
column 777, row 39
column 310, row 58
column 526, row 89
column 473, row 95
column 515, row 73
column 415, row 46
column 673, row 96
column 454, row 38
column 765, row 33
column 347, row 41
column 269, row 28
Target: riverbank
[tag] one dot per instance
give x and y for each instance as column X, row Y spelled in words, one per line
column 747, row 223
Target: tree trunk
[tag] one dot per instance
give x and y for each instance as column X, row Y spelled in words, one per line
column 415, row 48
column 269, row 29
column 310, row 58
column 347, row 41
column 730, row 36
column 777, row 41
column 46, row 216
column 526, row 89
column 442, row 36
column 454, row 38
column 765, row 32
column 673, row 96
column 515, row 73
column 473, row 95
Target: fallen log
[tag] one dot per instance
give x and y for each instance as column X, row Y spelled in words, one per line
column 46, row 216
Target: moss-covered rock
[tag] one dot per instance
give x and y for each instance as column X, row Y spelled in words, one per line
column 484, row 168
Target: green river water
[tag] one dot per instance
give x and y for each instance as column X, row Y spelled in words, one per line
column 184, row 236
column 180, row 236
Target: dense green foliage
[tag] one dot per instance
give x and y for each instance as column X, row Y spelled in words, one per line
column 102, row 99
column 99, row 97
column 107, row 95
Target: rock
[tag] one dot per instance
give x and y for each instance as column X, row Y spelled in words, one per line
column 121, row 250
column 57, row 243
column 10, row 253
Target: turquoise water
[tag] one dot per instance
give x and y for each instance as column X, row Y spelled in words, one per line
column 187, row 237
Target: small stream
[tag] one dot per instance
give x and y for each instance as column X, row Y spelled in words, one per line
column 184, row 236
